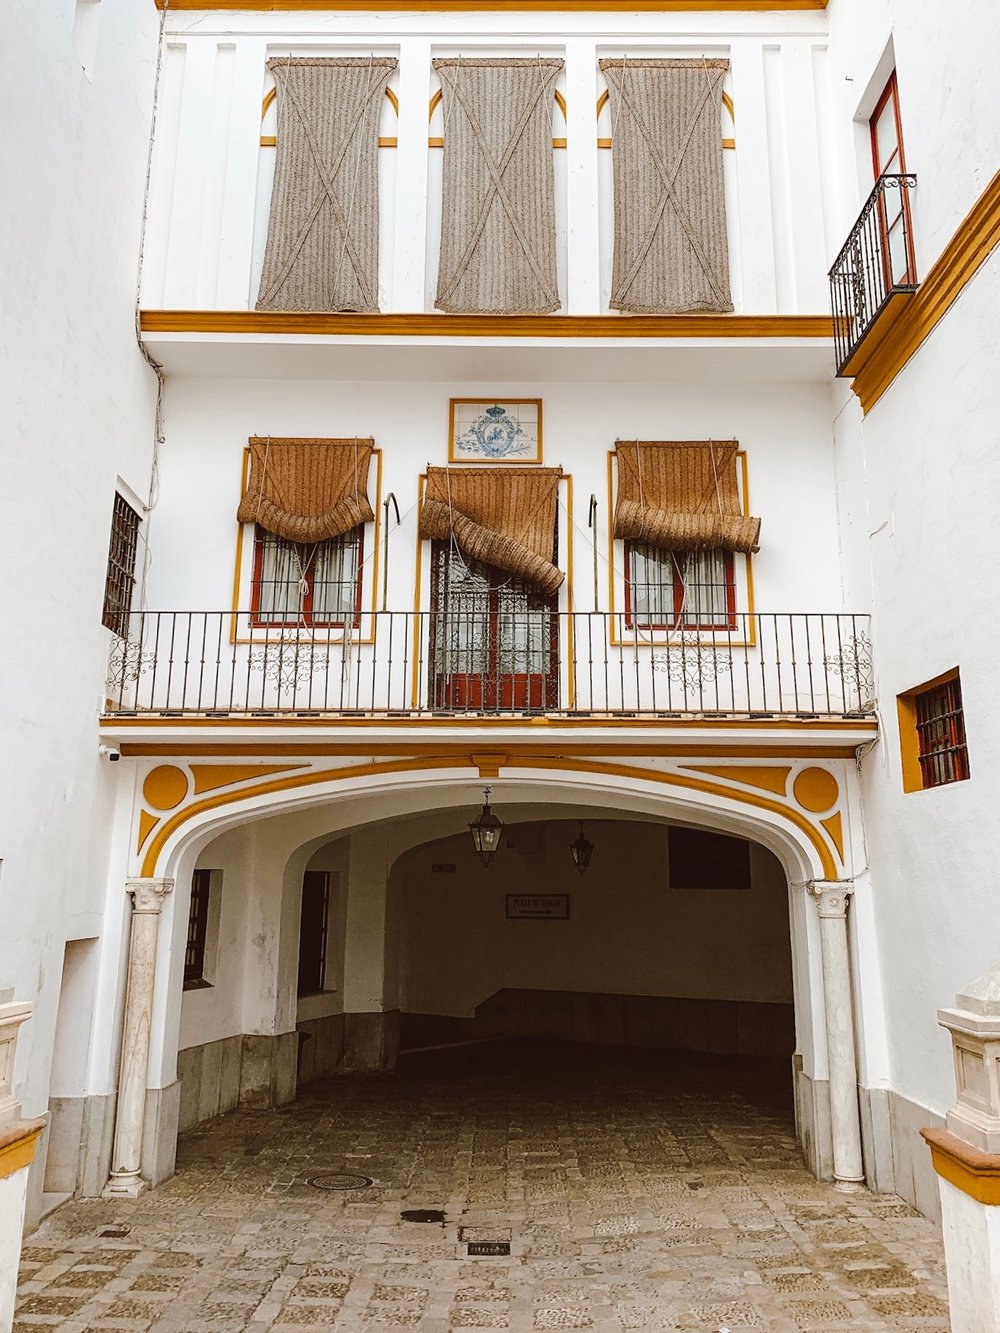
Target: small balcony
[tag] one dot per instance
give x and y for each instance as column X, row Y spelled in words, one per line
column 571, row 665
column 874, row 275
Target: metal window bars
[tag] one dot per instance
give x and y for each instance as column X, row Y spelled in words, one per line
column 875, row 264
column 216, row 663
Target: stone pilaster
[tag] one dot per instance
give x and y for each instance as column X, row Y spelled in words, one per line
column 832, row 898
column 147, row 899
column 966, row 1157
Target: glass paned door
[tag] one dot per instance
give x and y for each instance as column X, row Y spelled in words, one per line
column 888, row 159
column 494, row 640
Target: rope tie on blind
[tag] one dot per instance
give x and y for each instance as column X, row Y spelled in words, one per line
column 354, row 187
column 668, row 179
column 496, row 169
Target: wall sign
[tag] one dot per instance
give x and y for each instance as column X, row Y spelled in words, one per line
column 537, row 906
column 484, row 430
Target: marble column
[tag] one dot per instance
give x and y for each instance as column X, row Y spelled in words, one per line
column 147, row 899
column 832, row 897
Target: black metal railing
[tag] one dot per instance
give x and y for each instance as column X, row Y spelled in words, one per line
column 875, row 264
column 405, row 663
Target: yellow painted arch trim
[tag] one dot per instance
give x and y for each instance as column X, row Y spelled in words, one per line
column 319, row 777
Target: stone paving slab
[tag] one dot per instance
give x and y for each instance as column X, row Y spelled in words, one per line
column 636, row 1190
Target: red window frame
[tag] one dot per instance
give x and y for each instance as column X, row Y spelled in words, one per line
column 680, row 622
column 896, row 164
column 266, row 619
column 942, row 751
column 197, row 932
column 491, row 689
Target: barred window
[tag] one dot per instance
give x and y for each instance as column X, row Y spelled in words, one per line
column 120, row 579
column 679, row 589
column 197, row 933
column 299, row 583
column 941, row 745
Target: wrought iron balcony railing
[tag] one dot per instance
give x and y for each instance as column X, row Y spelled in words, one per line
column 875, row 265
column 413, row 664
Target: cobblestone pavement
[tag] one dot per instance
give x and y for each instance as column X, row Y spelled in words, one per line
column 638, row 1190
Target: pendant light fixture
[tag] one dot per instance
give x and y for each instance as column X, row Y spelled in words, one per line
column 582, row 849
column 486, row 831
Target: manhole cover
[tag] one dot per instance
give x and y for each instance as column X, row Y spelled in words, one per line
column 423, row 1215
column 480, row 1248
column 340, row 1180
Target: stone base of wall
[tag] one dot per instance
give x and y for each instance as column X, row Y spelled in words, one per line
column 243, row 1070
column 714, row 1027
column 371, row 1041
column 321, row 1047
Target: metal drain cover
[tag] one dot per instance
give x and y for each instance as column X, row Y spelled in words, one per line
column 423, row 1215
column 493, row 1248
column 115, row 1233
column 341, row 1180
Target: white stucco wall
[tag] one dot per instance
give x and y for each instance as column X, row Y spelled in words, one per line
column 78, row 416
column 784, row 428
column 917, row 480
column 628, row 933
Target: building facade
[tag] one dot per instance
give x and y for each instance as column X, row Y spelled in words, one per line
column 499, row 443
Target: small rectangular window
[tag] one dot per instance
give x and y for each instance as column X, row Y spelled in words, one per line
column 120, row 579
column 197, row 933
column 888, row 159
column 700, row 859
column 307, row 583
column 671, row 590
column 932, row 734
column 312, row 931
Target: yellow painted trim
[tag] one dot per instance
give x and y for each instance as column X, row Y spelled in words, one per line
column 418, row 576
column 210, row 777
column 975, row 1173
column 767, row 779
column 608, row 143
column 165, row 787
column 147, row 823
column 271, row 140
column 554, row 723
column 909, row 743
column 498, row 6
column 624, row 771
column 834, row 825
column 423, row 325
column 264, row 749
column 977, row 236
column 20, row 1152
column 816, row 790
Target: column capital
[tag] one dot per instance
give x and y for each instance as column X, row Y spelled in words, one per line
column 148, row 894
column 831, row 895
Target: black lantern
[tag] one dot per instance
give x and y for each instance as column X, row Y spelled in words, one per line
column 486, row 831
column 582, row 850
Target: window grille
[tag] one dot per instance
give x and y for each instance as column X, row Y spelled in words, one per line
column 312, row 931
column 197, row 932
column 297, row 583
column 120, row 579
column 693, row 590
column 941, row 745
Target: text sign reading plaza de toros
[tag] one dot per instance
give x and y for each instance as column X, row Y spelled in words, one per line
column 538, row 906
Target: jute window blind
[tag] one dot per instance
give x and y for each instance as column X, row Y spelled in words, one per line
column 682, row 496
column 307, row 490
column 671, row 252
column 504, row 516
column 322, row 238
column 498, row 232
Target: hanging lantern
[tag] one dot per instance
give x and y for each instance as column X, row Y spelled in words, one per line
column 582, row 849
column 486, row 831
